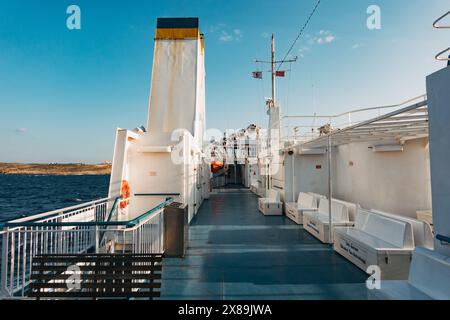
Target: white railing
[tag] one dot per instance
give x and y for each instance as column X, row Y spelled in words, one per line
column 24, row 238
column 84, row 228
column 306, row 127
column 147, row 236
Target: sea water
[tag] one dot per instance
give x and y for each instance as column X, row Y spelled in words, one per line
column 24, row 195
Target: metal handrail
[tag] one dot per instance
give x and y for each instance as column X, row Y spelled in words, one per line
column 53, row 213
column 332, row 118
column 127, row 224
column 435, row 24
column 23, row 240
column 443, row 239
column 439, row 58
column 175, row 194
column 423, row 96
column 108, row 219
column 367, row 122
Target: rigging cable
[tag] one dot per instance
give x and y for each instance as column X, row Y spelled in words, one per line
column 300, row 33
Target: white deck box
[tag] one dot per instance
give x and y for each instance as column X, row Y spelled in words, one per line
column 271, row 205
column 377, row 240
column 422, row 232
column 294, row 210
column 254, row 187
column 317, row 198
column 429, row 278
column 317, row 222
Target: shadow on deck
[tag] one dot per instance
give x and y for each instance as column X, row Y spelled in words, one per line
column 237, row 253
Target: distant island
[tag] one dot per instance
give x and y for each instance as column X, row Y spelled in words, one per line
column 55, row 168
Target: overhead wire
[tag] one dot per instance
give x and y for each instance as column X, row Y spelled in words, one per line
column 300, row 33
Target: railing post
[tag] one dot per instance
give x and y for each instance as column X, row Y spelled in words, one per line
column 330, row 190
column 4, row 264
column 97, row 239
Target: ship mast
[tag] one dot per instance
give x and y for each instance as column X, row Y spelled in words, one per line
column 273, row 69
column 274, row 108
column 274, row 72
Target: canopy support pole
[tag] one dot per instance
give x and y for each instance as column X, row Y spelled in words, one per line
column 293, row 177
column 330, row 190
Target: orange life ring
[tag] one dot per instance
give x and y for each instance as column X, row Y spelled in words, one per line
column 125, row 194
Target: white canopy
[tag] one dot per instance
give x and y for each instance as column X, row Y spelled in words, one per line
column 401, row 125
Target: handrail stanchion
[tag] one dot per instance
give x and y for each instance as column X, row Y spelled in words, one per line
column 97, row 239
column 4, row 261
column 109, row 217
column 330, row 190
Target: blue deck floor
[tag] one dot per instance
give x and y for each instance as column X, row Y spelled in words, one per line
column 237, row 253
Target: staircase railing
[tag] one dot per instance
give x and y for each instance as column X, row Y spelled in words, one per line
column 85, row 228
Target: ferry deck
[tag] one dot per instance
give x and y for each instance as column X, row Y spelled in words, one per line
column 341, row 202
column 235, row 252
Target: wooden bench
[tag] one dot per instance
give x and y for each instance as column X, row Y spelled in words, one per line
column 96, row 276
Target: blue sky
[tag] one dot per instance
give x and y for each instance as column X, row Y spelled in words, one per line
column 63, row 93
